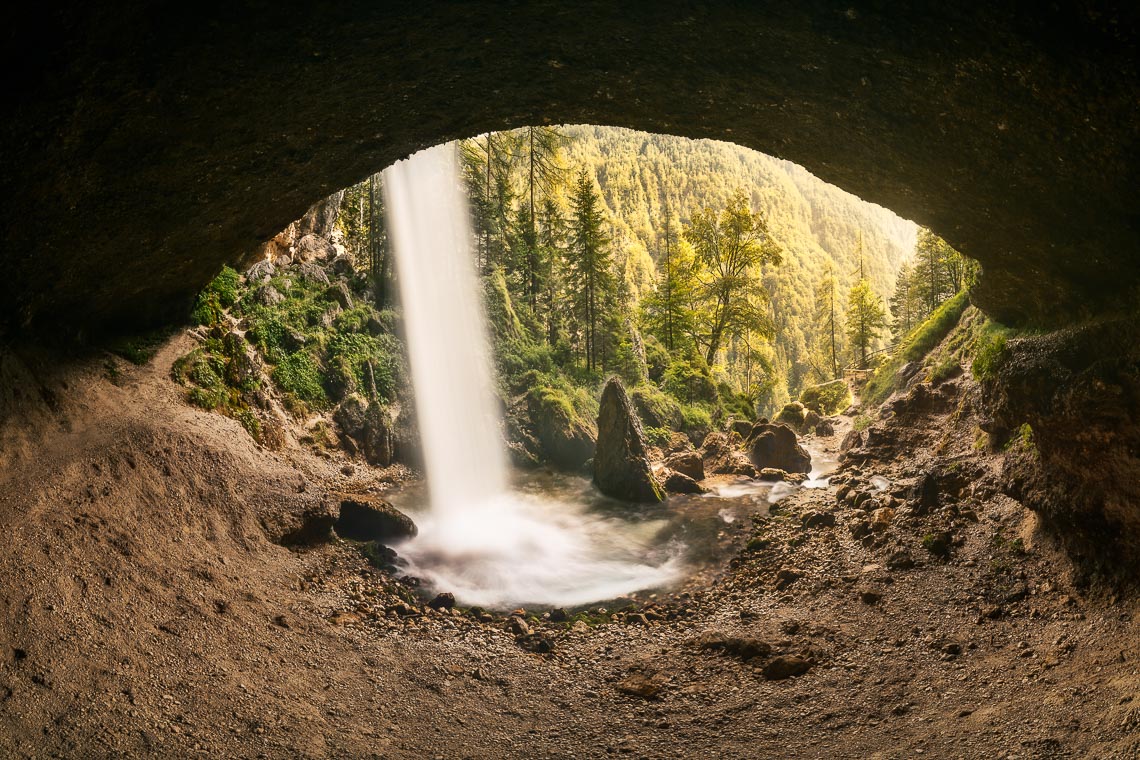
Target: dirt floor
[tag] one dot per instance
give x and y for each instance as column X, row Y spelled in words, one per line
column 149, row 612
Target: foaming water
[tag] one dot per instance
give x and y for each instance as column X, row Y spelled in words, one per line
column 480, row 540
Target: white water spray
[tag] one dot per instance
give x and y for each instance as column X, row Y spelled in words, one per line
column 485, row 544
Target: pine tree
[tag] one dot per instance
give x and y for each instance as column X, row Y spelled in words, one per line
column 866, row 316
column 829, row 330
column 541, row 151
column 588, row 273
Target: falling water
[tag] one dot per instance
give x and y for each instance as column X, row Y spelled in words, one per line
column 480, row 540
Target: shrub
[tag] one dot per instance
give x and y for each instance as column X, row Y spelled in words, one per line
column 656, row 408
column 222, row 292
column 695, row 418
column 690, row 381
column 299, row 375
column 988, row 353
column 827, row 398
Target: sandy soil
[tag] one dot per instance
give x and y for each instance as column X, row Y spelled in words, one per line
column 147, row 612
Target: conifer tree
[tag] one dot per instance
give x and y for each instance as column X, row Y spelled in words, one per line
column 829, row 330
column 589, row 277
column 866, row 316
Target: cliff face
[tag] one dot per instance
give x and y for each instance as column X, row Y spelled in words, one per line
column 170, row 140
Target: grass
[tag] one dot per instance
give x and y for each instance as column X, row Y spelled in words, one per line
column 989, row 352
column 915, row 347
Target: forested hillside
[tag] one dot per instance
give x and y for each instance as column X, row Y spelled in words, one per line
column 816, row 224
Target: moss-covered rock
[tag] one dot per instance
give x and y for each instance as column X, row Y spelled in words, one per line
column 827, row 399
column 621, row 464
column 566, row 436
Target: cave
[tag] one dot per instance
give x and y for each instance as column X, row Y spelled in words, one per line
column 162, row 579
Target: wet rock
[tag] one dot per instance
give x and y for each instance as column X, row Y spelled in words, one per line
column 443, row 601
column 680, row 483
column 773, row 474
column 786, row 666
column 350, row 415
column 621, row 465
column 776, row 446
column 370, row 518
column 825, row 428
column 687, row 463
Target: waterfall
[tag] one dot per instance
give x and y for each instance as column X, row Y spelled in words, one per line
column 430, row 229
column 486, row 544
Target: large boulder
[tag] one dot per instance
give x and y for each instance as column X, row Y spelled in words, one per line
column 376, row 442
column 566, row 438
column 364, row 517
column 687, row 463
column 678, row 482
column 774, row 445
column 722, row 455
column 621, row 465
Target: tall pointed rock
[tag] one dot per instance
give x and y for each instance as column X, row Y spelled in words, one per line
column 621, row 465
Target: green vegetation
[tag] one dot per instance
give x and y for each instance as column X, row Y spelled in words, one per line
column 1022, row 441
column 915, row 347
column 827, row 398
column 221, row 293
column 989, row 350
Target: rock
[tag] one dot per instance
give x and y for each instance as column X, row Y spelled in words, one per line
column 558, row 615
column 311, row 247
column 740, row 427
column 580, row 626
column 925, row 493
column 819, row 520
column 882, row 518
column 621, row 466
column 642, row 685
column 313, row 272
column 743, row 647
column 350, row 416
column 443, row 601
column 309, row 526
column 687, row 463
column 870, row 597
column 377, row 442
column 267, row 295
column 791, row 415
column 825, row 428
column 776, row 446
column 262, row 271
column 786, row 666
column 518, row 626
column 340, row 293
column 900, row 560
column 370, row 518
column 811, row 419
column 721, row 457
column 341, row 265
column 773, row 474
column 853, row 440
column 679, row 482
column 938, row 543
column 567, row 440
column 536, row 642
column 786, row 576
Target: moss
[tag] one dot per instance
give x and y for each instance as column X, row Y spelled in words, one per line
column 862, row 422
column 656, row 408
column 989, row 352
column 1022, row 440
column 827, row 398
column 299, row 375
column 944, row 369
column 695, row 417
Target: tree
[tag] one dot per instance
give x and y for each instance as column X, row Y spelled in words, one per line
column 731, row 247
column 486, row 164
column 669, row 311
column 865, row 318
column 829, row 330
column 588, row 274
column 541, row 150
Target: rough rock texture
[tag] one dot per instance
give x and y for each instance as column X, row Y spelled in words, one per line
column 567, row 440
column 776, row 446
column 172, row 139
column 723, row 456
column 1078, row 462
column 370, row 518
column 621, row 465
column 679, row 482
column 687, row 463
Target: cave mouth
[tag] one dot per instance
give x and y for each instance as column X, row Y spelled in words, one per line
column 564, row 539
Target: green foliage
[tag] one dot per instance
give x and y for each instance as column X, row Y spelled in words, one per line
column 915, row 347
column 350, row 356
column 866, row 318
column 220, row 294
column 696, row 417
column 989, row 351
column 1022, row 440
column 827, row 398
column 658, row 436
column 945, row 369
column 861, row 423
column 689, row 380
column 656, row 408
column 299, row 375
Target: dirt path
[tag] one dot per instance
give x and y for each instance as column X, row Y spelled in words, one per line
column 147, row 614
